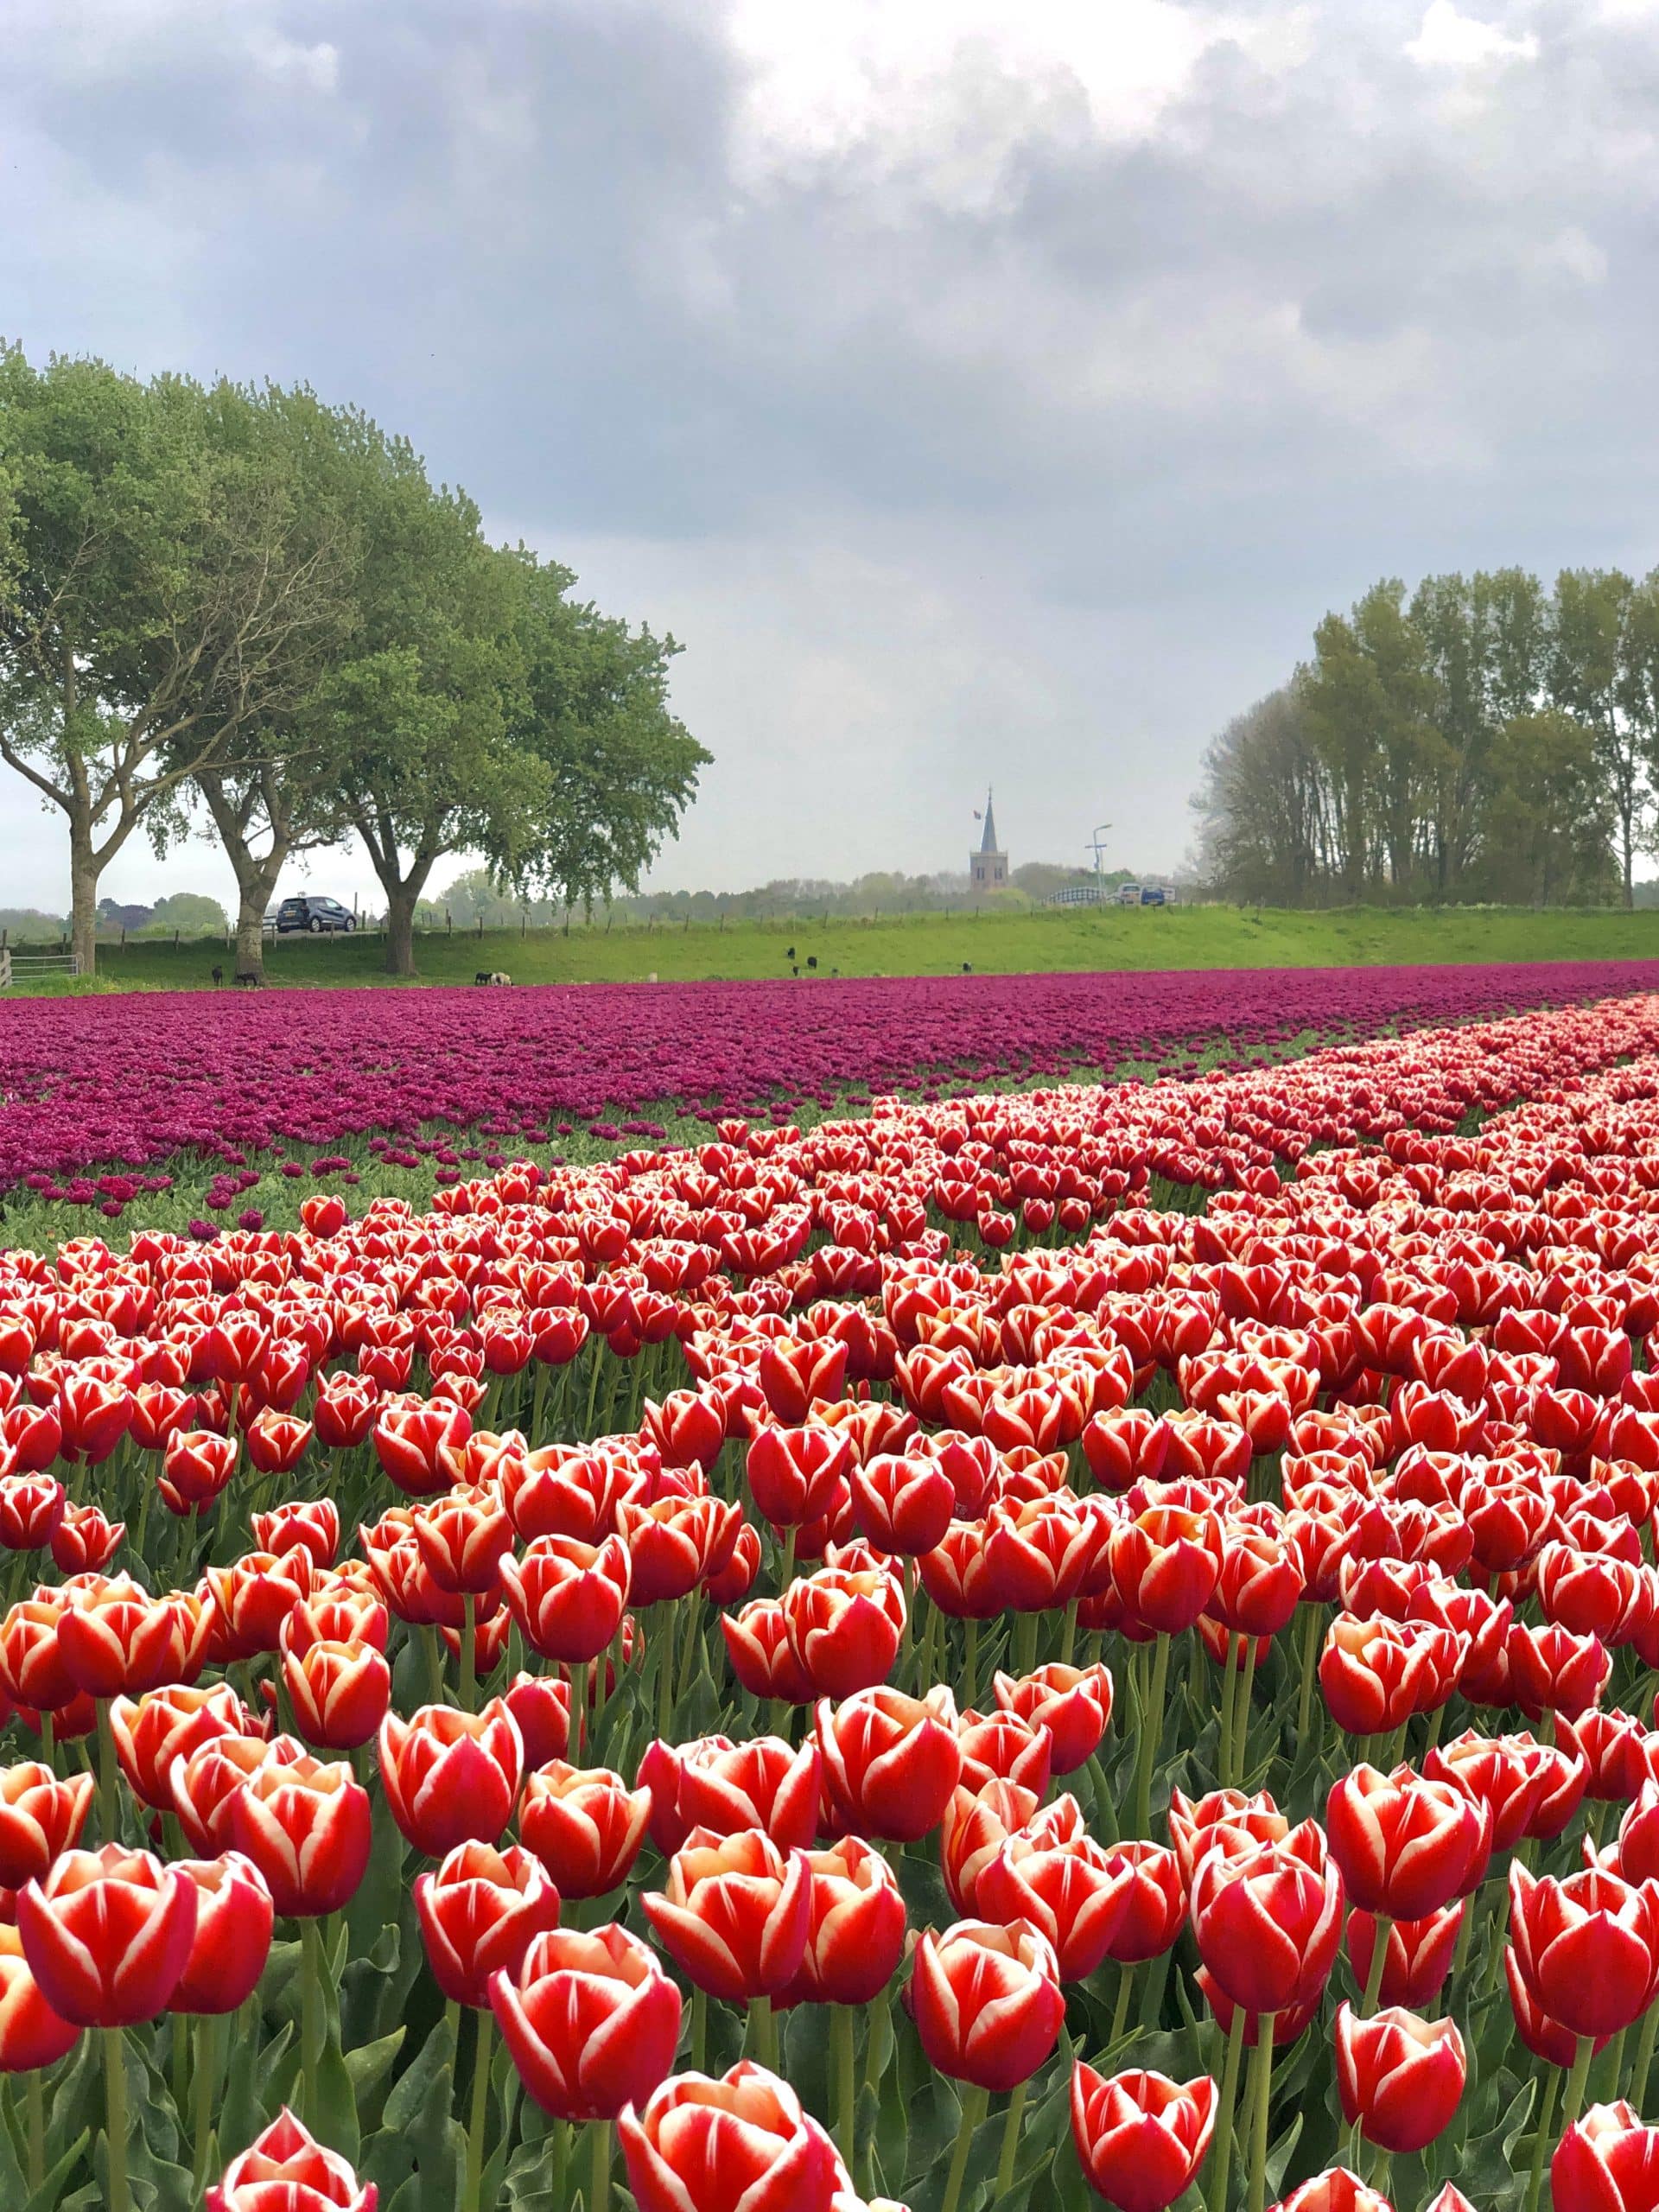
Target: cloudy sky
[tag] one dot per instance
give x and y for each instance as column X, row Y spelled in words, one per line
column 981, row 389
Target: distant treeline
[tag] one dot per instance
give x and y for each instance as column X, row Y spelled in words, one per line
column 473, row 897
column 1483, row 738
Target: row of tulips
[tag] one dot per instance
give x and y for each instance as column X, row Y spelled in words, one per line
column 765, row 1549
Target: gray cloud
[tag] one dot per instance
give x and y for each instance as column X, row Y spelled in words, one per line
column 976, row 390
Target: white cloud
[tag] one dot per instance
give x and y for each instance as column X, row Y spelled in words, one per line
column 1448, row 40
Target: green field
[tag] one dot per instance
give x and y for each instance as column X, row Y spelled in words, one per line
column 931, row 944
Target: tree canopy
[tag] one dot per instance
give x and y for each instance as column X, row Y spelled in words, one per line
column 246, row 601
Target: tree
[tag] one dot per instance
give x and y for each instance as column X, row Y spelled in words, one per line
column 417, row 719
column 156, row 597
column 1590, row 677
column 1548, row 822
column 279, row 791
column 192, row 914
column 592, row 710
column 1266, row 820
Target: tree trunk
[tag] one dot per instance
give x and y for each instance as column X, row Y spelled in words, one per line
column 83, row 898
column 400, row 930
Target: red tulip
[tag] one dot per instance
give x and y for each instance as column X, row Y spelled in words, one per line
column 541, row 1706
column 107, row 1935
column 1588, row 1947
column 1418, row 1958
column 1554, row 1671
column 591, row 2019
column 306, row 1826
column 207, row 1782
column 855, row 1930
column 31, row 1509
column 764, row 1783
column 1065, row 1885
column 256, row 1594
column 340, row 1692
column 733, row 1914
column 276, row 1440
column 843, row 1628
column 32, row 2035
column 479, row 1914
column 287, row 2170
column 584, row 1825
column 40, row 1818
column 1267, row 1924
column 890, row 1762
column 1164, row 1564
column 975, row 1825
column 1140, row 2138
column 903, row 1505
column 1154, row 1901
column 165, row 1725
column 231, row 1941
column 1334, row 2191
column 742, row 2142
column 451, row 1777
column 410, row 1442
column 567, row 1596
column 1401, row 2078
column 1607, row 2161
column 1405, row 1846
column 763, row 1659
column 85, row 1540
column 117, row 1640
column 196, row 1466
column 1074, row 1704
column 986, row 2001
column 310, row 1525
column 674, row 1544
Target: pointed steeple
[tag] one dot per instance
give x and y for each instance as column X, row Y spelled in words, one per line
column 987, row 843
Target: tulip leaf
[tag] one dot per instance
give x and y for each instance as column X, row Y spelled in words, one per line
column 369, row 2065
column 49, row 2196
column 253, row 2075
column 419, row 2140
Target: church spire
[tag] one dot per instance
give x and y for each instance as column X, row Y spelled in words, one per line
column 987, row 843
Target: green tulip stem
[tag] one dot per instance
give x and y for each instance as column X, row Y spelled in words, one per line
column 1069, row 1634
column 1466, row 1935
column 763, row 2033
column 203, row 2082
column 841, row 2037
column 469, row 1653
column 433, row 1644
column 115, row 2106
column 1121, row 2011
column 1242, row 1695
column 1221, row 2160
column 691, row 1651
column 1312, row 1616
column 1542, row 2135
column 479, row 2119
column 311, row 1971
column 1644, row 2059
column 699, row 2029
column 579, row 1714
column 1224, row 1742
column 36, row 2130
column 974, row 2103
column 109, row 1780
column 599, row 2196
column 1576, row 2079
column 786, row 1571
column 970, row 1661
column 666, row 1668
column 1261, row 2090
column 1612, row 2065
column 1383, row 1929
column 1152, row 1729
column 47, row 1741
column 1010, row 2143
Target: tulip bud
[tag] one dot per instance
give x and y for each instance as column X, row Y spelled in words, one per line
column 855, row 1932
column 231, row 1942
column 1405, row 1846
column 986, row 2001
column 287, row 2166
column 584, row 1825
column 479, row 1915
column 733, row 1914
column 107, row 1935
column 743, row 2138
column 1140, row 2138
column 32, row 2035
column 890, row 1762
column 1074, row 1704
column 40, row 1818
column 451, row 1777
column 1401, row 2078
column 591, row 2019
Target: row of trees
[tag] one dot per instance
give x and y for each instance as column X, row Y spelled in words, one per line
column 1483, row 737
column 243, row 604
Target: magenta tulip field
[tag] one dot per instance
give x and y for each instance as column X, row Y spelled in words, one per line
column 1089, row 1643
column 95, row 1093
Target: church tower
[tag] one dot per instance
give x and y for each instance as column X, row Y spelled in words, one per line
column 988, row 868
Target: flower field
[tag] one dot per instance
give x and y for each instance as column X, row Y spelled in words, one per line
column 1038, row 1647
column 206, row 1105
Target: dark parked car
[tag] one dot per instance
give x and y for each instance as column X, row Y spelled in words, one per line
column 307, row 911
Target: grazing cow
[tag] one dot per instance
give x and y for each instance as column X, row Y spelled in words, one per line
column 248, row 979
column 491, row 975
column 218, row 977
